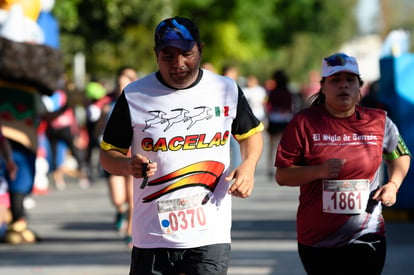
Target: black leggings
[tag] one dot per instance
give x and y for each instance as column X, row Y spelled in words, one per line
column 63, row 134
column 17, row 206
column 366, row 256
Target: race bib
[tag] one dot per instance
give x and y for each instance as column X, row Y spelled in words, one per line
column 184, row 214
column 345, row 196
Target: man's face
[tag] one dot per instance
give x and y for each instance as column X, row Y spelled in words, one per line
column 177, row 67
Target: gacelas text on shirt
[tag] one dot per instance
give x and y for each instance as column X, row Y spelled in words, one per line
column 189, row 142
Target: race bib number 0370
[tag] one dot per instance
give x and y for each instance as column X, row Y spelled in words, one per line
column 345, row 196
column 183, row 214
column 183, row 220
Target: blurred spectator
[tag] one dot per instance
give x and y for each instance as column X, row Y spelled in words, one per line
column 371, row 99
column 209, row 66
column 231, row 71
column 63, row 127
column 256, row 96
column 279, row 113
column 235, row 155
column 95, row 95
column 120, row 187
column 311, row 87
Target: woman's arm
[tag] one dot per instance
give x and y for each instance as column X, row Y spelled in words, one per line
column 397, row 170
column 300, row 175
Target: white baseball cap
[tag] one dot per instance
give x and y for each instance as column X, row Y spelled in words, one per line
column 339, row 62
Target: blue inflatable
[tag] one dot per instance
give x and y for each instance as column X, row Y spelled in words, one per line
column 50, row 27
column 397, row 93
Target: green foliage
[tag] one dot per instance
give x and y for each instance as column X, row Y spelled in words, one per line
column 291, row 35
column 259, row 36
column 111, row 33
column 66, row 13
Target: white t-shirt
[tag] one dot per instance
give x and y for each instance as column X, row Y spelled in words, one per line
column 185, row 204
column 256, row 97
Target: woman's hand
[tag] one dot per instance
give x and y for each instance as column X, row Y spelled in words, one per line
column 331, row 168
column 387, row 194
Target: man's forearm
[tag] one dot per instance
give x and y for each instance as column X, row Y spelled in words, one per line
column 115, row 162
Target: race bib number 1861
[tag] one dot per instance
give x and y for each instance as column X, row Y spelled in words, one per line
column 345, row 196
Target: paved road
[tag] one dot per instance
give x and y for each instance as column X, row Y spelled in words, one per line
column 77, row 236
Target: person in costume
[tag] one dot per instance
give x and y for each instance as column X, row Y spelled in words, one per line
column 28, row 70
column 8, row 170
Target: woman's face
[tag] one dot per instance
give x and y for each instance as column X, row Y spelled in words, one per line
column 342, row 92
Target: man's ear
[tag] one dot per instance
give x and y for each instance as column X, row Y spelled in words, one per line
column 201, row 47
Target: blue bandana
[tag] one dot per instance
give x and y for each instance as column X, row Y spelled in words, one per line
column 176, row 32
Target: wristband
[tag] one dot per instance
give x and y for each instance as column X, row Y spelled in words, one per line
column 393, row 182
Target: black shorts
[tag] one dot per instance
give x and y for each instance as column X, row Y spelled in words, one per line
column 205, row 260
column 367, row 256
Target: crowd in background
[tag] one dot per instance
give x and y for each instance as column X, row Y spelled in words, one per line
column 70, row 131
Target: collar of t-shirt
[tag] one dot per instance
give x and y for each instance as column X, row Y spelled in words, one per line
column 160, row 79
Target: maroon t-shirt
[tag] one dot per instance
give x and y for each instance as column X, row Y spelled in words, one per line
column 314, row 136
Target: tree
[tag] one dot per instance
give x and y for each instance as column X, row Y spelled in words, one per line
column 111, row 33
column 258, row 36
column 263, row 35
